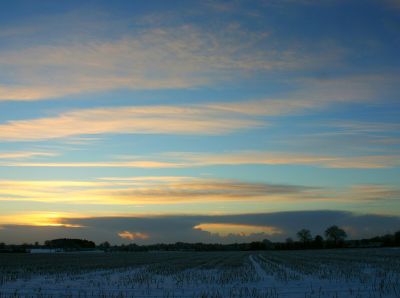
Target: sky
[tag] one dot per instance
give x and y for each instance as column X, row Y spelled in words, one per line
column 213, row 121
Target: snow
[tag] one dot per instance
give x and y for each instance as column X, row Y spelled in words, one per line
column 261, row 274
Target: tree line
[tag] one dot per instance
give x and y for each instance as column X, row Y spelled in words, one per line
column 334, row 237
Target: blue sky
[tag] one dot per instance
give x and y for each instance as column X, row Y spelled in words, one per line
column 197, row 108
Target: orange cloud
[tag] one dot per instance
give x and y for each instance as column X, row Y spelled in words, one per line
column 128, row 164
column 133, row 235
column 166, row 190
column 180, row 190
column 25, row 154
column 137, row 120
column 225, row 229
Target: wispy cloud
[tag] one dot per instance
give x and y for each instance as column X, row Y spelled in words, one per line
column 364, row 127
column 352, row 88
column 152, row 190
column 107, row 164
column 195, row 119
column 297, row 2
column 268, row 107
column 25, row 154
column 275, row 158
column 360, row 140
column 91, row 52
column 374, row 192
column 80, row 140
column 183, row 56
column 182, row 190
column 208, row 119
column 191, row 159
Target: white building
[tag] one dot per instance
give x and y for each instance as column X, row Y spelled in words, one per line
column 44, row 250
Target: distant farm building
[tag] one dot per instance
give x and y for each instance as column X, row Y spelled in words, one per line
column 45, row 250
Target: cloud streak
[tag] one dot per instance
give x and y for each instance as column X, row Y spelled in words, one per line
column 274, row 158
column 137, row 120
column 183, row 190
column 25, row 155
column 153, row 190
column 207, row 119
column 190, row 160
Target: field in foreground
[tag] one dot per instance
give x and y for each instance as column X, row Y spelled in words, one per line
column 316, row 273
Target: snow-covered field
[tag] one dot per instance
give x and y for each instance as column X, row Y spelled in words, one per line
column 314, row 273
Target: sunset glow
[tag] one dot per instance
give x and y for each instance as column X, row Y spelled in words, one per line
column 242, row 230
column 215, row 121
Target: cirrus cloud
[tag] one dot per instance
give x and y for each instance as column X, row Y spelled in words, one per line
column 193, row 159
column 184, row 56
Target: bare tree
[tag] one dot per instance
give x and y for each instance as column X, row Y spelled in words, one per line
column 304, row 236
column 335, row 234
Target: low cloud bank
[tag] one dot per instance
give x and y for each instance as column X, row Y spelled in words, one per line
column 170, row 229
